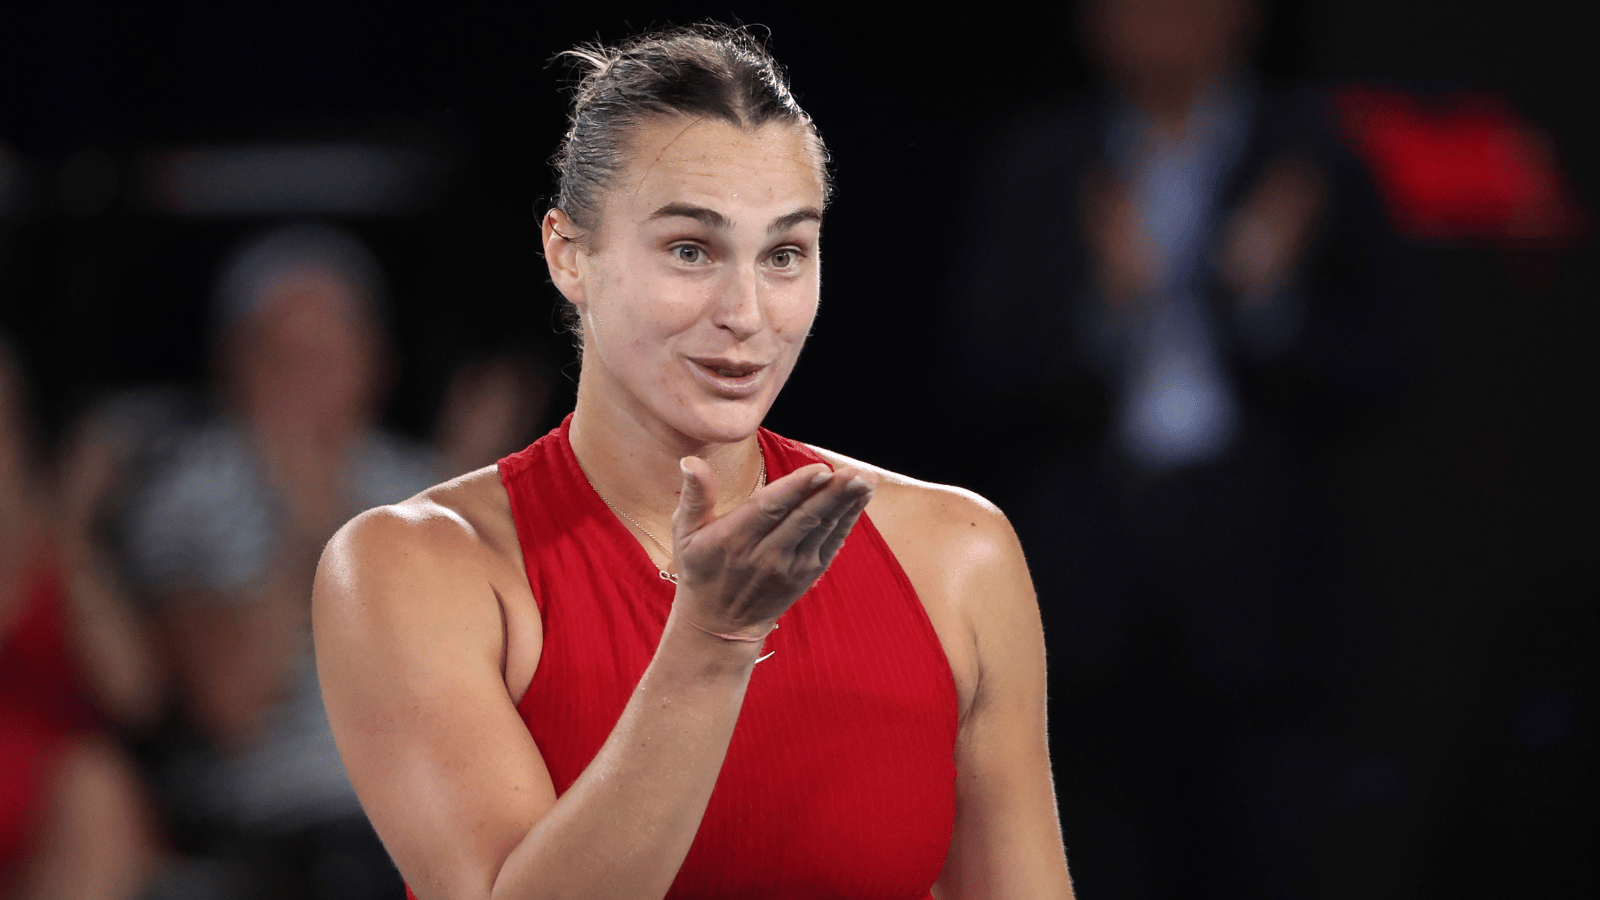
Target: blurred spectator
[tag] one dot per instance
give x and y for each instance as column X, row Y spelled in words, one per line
column 1169, row 314
column 73, row 661
column 224, row 539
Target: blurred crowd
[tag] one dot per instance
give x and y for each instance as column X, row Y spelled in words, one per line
column 1178, row 312
column 162, row 733
column 1189, row 298
column 1192, row 301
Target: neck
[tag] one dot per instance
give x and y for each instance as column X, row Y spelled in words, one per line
column 631, row 459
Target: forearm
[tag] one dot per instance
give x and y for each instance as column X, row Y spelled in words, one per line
column 231, row 657
column 623, row 828
column 112, row 642
column 416, row 666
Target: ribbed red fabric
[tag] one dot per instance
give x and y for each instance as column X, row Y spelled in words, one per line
column 839, row 781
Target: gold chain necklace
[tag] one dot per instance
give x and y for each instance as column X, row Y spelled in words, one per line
column 761, row 482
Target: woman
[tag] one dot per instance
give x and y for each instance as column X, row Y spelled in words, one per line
column 74, row 659
column 567, row 676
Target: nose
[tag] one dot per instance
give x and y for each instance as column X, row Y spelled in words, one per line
column 742, row 307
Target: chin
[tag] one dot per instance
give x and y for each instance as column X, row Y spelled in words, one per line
column 727, row 423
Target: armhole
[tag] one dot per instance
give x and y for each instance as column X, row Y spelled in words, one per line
column 920, row 613
column 508, row 474
column 777, row 446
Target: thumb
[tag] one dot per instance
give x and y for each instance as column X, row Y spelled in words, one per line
column 699, row 496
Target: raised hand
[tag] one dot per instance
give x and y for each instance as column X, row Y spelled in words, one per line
column 1267, row 239
column 1125, row 263
column 739, row 572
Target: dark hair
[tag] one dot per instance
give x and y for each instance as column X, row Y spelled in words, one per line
column 269, row 256
column 708, row 71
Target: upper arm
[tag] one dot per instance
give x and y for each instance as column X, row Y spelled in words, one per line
column 1007, row 840
column 410, row 651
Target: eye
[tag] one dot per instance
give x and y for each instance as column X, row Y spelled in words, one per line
column 689, row 253
column 785, row 258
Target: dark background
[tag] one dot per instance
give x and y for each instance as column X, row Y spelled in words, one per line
column 1469, row 766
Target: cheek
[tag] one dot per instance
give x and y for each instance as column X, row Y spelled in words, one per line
column 792, row 317
column 637, row 315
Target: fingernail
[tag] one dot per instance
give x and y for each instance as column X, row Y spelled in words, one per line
column 819, row 479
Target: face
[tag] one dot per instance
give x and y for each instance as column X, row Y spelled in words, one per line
column 1165, row 38
column 310, row 363
column 699, row 285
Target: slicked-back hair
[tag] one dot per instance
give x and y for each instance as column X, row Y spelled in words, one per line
column 702, row 71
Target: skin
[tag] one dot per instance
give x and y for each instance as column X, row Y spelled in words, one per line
column 1160, row 52
column 705, row 261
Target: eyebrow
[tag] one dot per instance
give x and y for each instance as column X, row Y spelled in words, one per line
column 782, row 223
column 713, row 219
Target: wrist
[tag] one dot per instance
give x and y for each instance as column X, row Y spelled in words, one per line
column 687, row 652
column 717, row 640
column 748, row 636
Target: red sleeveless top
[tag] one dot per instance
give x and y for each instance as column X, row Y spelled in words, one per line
column 839, row 781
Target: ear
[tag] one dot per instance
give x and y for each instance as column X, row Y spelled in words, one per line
column 564, row 256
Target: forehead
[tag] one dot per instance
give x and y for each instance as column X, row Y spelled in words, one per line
column 309, row 298
column 764, row 172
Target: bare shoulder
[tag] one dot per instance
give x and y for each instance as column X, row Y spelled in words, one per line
column 458, row 525
column 964, row 561
column 426, row 639
column 446, row 556
column 952, row 530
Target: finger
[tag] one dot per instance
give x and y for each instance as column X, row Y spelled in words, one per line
column 830, row 543
column 802, row 532
column 770, row 506
column 797, row 485
column 698, row 499
column 748, row 523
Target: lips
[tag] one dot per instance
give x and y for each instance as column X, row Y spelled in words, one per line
column 732, row 370
column 728, row 377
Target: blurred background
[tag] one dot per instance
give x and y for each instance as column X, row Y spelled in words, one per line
column 1264, row 321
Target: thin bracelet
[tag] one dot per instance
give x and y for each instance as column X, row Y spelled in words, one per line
column 731, row 637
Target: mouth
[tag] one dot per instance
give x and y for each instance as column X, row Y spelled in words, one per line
column 728, row 369
column 731, row 378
